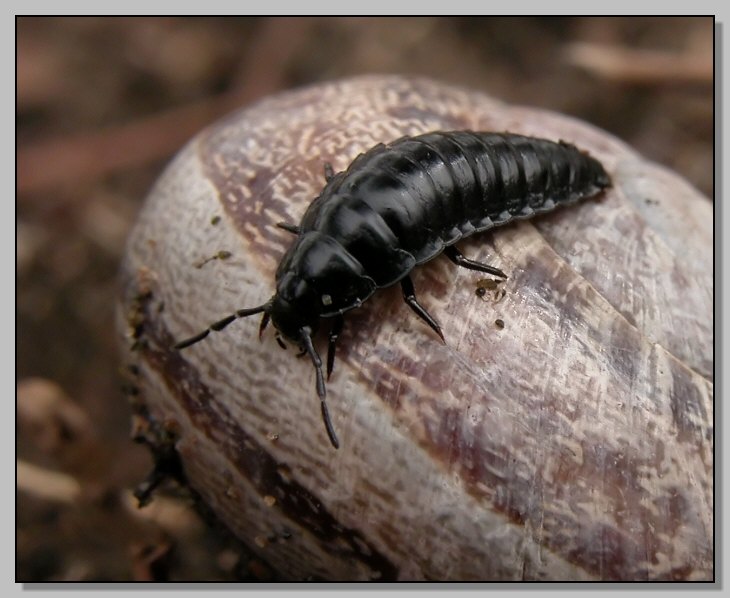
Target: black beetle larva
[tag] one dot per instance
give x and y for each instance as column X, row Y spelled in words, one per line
column 400, row 205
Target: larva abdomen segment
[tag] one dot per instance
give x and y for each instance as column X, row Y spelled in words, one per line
column 435, row 189
column 400, row 205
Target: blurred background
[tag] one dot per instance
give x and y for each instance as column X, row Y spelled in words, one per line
column 103, row 104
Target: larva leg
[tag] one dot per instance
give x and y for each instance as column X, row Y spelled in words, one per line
column 409, row 294
column 329, row 172
column 455, row 256
column 334, row 335
column 321, row 392
column 291, row 228
column 264, row 323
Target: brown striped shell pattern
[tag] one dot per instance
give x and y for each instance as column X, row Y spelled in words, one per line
column 563, row 432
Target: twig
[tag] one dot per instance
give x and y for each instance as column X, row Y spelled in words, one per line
column 639, row 66
column 174, row 516
column 51, row 163
column 47, row 484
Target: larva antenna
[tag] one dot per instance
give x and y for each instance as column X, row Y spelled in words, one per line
column 221, row 324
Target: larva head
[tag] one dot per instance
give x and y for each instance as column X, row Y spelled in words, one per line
column 316, row 278
column 293, row 307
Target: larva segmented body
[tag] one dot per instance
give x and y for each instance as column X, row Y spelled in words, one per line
column 400, row 205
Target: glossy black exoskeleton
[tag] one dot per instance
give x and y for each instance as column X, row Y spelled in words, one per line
column 400, row 205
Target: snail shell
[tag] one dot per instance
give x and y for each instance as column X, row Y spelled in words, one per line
column 563, row 432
